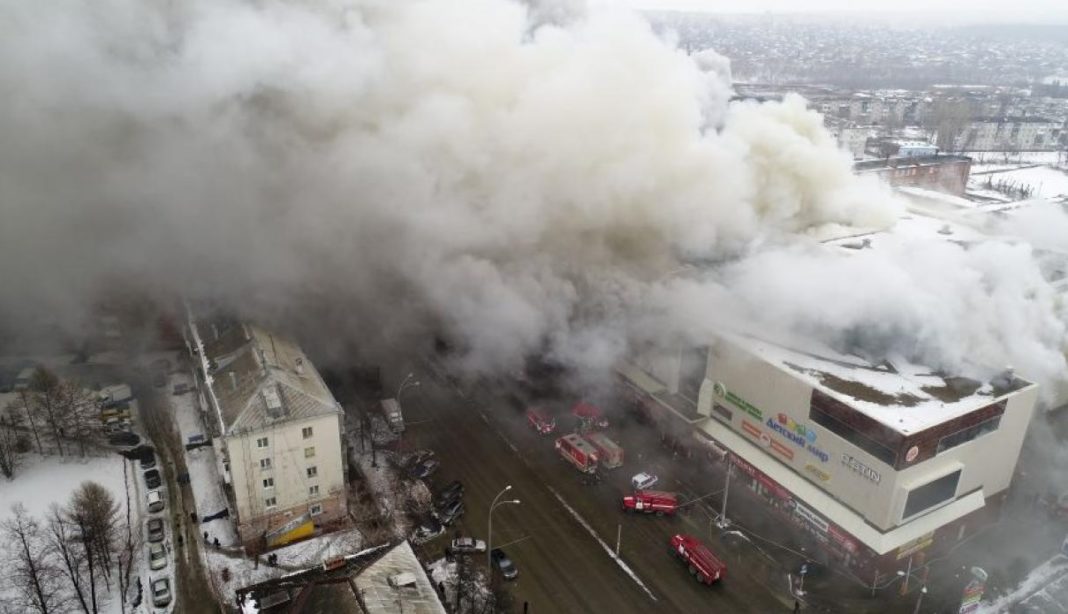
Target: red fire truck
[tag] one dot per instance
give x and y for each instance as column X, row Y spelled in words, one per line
column 540, row 421
column 578, row 452
column 651, row 502
column 589, row 415
column 702, row 563
column 609, row 454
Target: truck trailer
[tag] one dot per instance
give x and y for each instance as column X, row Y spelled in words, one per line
column 609, row 453
column 577, row 451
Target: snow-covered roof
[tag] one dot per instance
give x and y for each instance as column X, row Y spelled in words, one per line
column 381, row 592
column 905, row 397
column 260, row 378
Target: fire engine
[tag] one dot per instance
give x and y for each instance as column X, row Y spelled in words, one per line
column 702, row 563
column 651, row 502
column 540, row 422
column 578, row 452
column 589, row 415
column 609, row 453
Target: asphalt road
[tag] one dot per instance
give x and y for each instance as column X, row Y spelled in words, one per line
column 562, row 533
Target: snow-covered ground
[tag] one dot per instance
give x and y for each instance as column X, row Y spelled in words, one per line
column 991, row 160
column 43, row 481
column 1045, row 589
column 301, row 555
column 1045, row 181
column 204, row 468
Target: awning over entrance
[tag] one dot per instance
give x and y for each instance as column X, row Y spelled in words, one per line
column 835, row 511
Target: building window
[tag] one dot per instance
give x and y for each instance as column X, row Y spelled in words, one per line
column 265, row 464
column 931, row 494
column 306, row 432
column 965, row 435
column 722, row 412
column 313, row 490
column 315, row 510
column 268, row 482
column 852, row 435
column 309, row 452
column 261, row 442
column 313, row 471
column 270, row 502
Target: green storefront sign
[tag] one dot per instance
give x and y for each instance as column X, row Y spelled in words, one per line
column 744, row 405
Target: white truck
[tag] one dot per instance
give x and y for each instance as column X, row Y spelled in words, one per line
column 391, row 409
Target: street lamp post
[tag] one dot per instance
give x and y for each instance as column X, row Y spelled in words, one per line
column 405, row 384
column 722, row 523
column 489, row 530
column 919, row 600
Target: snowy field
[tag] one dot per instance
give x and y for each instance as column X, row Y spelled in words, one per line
column 43, row 481
column 1045, row 590
column 1045, row 181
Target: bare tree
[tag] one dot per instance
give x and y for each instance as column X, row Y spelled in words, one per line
column 94, row 511
column 27, row 410
column 33, row 576
column 11, row 445
column 47, row 398
column 130, row 548
column 70, row 557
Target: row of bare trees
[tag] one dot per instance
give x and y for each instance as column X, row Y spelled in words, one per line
column 74, row 559
column 51, row 416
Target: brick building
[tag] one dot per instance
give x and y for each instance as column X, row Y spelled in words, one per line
column 943, row 173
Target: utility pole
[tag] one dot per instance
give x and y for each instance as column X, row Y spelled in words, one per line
column 489, row 528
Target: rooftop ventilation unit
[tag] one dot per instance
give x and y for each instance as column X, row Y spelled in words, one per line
column 275, row 408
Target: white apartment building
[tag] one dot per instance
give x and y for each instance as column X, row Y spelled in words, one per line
column 1010, row 134
column 278, row 429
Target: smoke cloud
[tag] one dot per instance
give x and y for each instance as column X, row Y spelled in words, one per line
column 522, row 179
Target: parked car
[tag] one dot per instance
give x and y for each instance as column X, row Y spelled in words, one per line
column 155, row 501
column 449, row 513
column 424, row 469
column 152, row 478
column 643, row 481
column 467, row 545
column 161, row 592
column 454, row 490
column 181, row 388
column 504, row 564
column 155, row 530
column 428, row 530
column 148, row 460
column 157, row 557
column 124, row 439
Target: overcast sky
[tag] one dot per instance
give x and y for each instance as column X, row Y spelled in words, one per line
column 1029, row 10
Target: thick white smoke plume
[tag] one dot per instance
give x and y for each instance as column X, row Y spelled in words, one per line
column 381, row 170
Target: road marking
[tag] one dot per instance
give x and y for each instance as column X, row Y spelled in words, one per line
column 611, row 553
column 501, row 435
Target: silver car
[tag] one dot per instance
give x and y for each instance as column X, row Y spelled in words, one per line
column 157, row 557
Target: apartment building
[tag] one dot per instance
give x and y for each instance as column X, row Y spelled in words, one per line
column 1010, row 134
column 278, row 429
column 943, row 173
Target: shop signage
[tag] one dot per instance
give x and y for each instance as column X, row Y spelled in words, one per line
column 915, row 545
column 818, row 473
column 766, row 440
column 811, row 517
column 797, row 433
column 842, row 538
column 861, row 468
column 737, row 401
column 911, row 455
